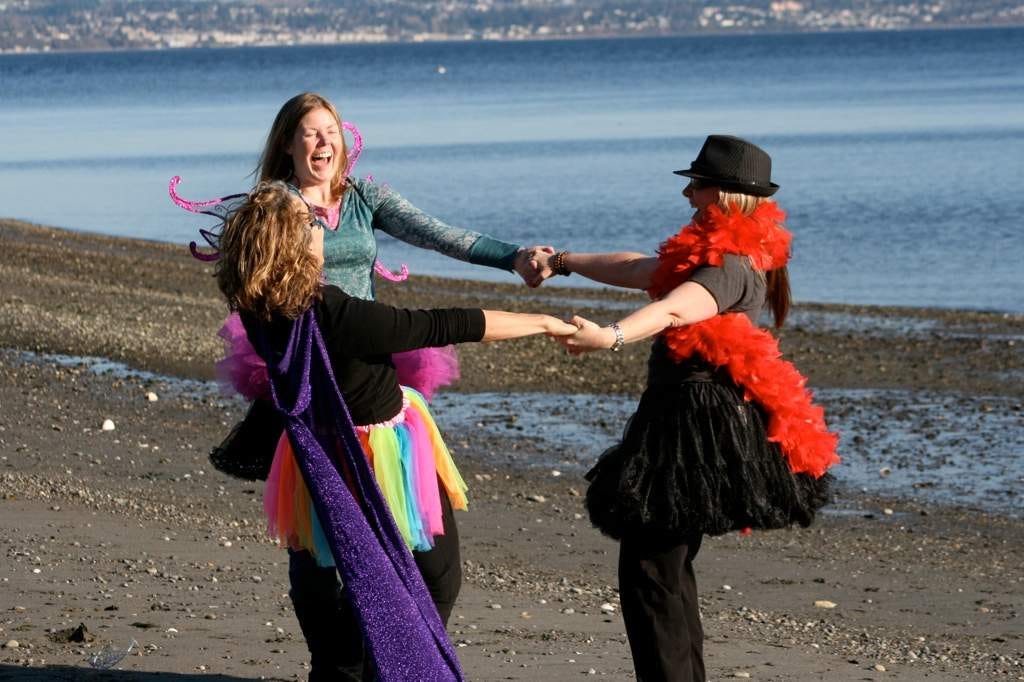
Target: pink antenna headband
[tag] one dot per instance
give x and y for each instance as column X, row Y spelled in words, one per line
column 197, row 206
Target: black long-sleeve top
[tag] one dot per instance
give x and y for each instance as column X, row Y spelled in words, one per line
column 361, row 336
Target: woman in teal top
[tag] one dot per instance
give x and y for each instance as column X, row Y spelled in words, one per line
column 307, row 149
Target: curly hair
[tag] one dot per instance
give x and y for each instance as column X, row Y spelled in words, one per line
column 266, row 267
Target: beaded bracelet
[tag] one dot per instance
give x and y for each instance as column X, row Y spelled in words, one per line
column 558, row 264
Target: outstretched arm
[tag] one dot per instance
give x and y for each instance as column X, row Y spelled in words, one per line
column 686, row 304
column 621, row 269
column 500, row 325
column 363, row 328
column 395, row 215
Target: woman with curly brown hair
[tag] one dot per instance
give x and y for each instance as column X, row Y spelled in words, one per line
column 361, row 475
column 307, row 149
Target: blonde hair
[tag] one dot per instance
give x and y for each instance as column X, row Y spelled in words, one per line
column 275, row 163
column 778, row 295
column 265, row 266
column 745, row 203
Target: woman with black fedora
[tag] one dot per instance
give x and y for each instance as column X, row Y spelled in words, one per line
column 725, row 436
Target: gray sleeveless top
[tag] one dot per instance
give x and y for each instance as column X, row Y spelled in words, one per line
column 736, row 288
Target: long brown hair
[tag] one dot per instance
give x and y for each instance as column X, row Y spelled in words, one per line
column 265, row 264
column 778, row 296
column 275, row 163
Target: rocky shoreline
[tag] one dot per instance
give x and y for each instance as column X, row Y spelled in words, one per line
column 151, row 306
column 130, row 533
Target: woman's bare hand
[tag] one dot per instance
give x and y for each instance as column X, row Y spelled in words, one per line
column 559, row 328
column 589, row 337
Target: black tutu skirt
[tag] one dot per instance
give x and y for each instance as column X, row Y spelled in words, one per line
column 694, row 458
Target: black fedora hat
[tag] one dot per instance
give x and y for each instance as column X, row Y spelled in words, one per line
column 734, row 165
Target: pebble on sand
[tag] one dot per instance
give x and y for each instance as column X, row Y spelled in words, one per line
column 108, row 425
column 11, row 644
column 825, row 604
column 151, row 397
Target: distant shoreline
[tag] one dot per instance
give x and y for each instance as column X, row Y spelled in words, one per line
column 711, row 33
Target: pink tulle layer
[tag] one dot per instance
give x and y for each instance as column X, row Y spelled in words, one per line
column 242, row 370
column 427, row 369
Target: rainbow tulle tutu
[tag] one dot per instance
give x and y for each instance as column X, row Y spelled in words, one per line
column 409, row 460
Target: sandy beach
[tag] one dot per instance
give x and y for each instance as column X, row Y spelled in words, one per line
column 127, row 538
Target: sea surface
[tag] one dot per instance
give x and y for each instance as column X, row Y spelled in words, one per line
column 900, row 155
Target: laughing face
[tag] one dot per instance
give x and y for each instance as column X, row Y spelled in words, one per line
column 316, row 148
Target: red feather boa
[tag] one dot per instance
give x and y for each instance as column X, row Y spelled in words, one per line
column 750, row 355
column 759, row 236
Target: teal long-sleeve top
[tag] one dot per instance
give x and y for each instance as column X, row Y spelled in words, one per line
column 350, row 250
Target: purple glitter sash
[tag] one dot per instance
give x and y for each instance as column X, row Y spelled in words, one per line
column 403, row 632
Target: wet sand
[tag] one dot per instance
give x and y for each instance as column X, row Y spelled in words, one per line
column 131, row 533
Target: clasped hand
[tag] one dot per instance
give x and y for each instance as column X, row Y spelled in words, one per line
column 589, row 336
column 533, row 264
column 559, row 329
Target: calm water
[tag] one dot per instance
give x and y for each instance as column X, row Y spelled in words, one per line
column 894, row 443
column 901, row 155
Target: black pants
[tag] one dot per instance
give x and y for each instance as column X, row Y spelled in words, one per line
column 659, row 605
column 325, row 615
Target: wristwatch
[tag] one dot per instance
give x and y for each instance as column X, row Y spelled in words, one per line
column 620, row 338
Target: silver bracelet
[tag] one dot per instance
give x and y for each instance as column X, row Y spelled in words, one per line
column 620, row 338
